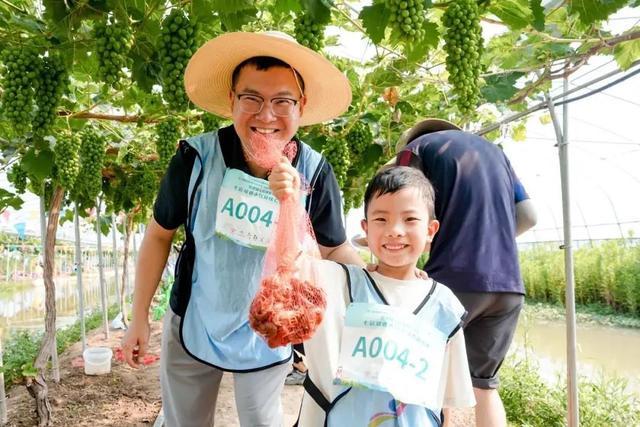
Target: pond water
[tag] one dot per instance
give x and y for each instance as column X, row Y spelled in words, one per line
column 607, row 350
column 22, row 304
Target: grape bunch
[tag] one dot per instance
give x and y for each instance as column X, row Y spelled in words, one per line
column 19, row 77
column 336, row 151
column 359, row 138
column 407, row 17
column 210, row 123
column 18, row 177
column 113, row 42
column 88, row 185
column 167, row 136
column 463, row 45
column 177, row 44
column 67, row 160
column 51, row 82
column 308, row 32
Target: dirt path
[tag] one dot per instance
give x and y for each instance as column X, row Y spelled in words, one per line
column 128, row 397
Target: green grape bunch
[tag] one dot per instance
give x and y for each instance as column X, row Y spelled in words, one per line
column 463, row 45
column 359, row 138
column 67, row 160
column 407, row 18
column 210, row 123
column 51, row 82
column 18, row 177
column 18, row 80
column 88, row 185
column 167, row 136
column 113, row 43
column 336, row 151
column 177, row 44
column 308, row 32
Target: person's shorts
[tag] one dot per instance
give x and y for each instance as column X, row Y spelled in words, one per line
column 488, row 331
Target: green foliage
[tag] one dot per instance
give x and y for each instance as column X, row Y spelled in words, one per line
column 161, row 301
column 21, row 348
column 176, row 45
column 607, row 274
column 529, row 401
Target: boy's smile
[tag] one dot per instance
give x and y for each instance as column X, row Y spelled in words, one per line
column 398, row 230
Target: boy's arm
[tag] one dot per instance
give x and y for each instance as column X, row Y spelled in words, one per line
column 458, row 391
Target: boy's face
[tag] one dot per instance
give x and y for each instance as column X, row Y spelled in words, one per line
column 275, row 82
column 399, row 230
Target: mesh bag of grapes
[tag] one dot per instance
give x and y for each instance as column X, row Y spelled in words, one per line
column 289, row 305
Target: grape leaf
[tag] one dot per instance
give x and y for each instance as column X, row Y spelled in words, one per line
column 374, row 20
column 590, row 11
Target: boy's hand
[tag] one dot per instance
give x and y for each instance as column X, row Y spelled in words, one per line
column 284, row 180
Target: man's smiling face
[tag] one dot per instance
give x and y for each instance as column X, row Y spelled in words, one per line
column 275, row 82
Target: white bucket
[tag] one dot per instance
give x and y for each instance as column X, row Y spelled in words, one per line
column 97, row 360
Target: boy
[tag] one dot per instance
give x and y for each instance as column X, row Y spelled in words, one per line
column 390, row 346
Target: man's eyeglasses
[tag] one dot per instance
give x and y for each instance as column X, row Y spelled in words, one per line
column 253, row 104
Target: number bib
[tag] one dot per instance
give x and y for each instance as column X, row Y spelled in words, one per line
column 247, row 210
column 388, row 349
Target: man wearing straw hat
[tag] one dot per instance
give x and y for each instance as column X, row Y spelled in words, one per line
column 216, row 187
column 482, row 207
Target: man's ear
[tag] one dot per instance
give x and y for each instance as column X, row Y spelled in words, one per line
column 302, row 103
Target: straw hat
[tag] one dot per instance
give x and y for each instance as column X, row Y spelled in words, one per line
column 422, row 128
column 207, row 78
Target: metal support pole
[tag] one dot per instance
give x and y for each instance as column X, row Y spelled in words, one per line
column 563, row 152
column 114, row 231
column 76, row 222
column 103, row 290
column 3, row 397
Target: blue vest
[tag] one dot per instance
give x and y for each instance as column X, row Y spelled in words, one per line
column 364, row 407
column 215, row 327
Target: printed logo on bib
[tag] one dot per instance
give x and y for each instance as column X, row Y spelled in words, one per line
column 247, row 210
column 389, row 349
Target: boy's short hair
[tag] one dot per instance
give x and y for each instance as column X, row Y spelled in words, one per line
column 391, row 179
column 263, row 63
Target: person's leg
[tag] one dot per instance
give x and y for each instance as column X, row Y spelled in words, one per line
column 489, row 408
column 299, row 371
column 258, row 396
column 488, row 331
column 189, row 388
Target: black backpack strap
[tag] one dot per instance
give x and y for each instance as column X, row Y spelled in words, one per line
column 314, row 392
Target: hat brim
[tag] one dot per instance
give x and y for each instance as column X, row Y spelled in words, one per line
column 422, row 128
column 207, row 78
column 360, row 241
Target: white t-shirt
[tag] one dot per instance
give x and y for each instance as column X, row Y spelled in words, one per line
column 323, row 349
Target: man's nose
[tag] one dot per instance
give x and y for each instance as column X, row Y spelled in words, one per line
column 266, row 114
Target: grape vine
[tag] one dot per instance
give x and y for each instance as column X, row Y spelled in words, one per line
column 67, row 160
column 463, row 45
column 18, row 177
column 336, row 151
column 88, row 185
column 308, row 32
column 167, row 136
column 18, row 80
column 407, row 18
column 177, row 44
column 51, row 81
column 113, row 42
